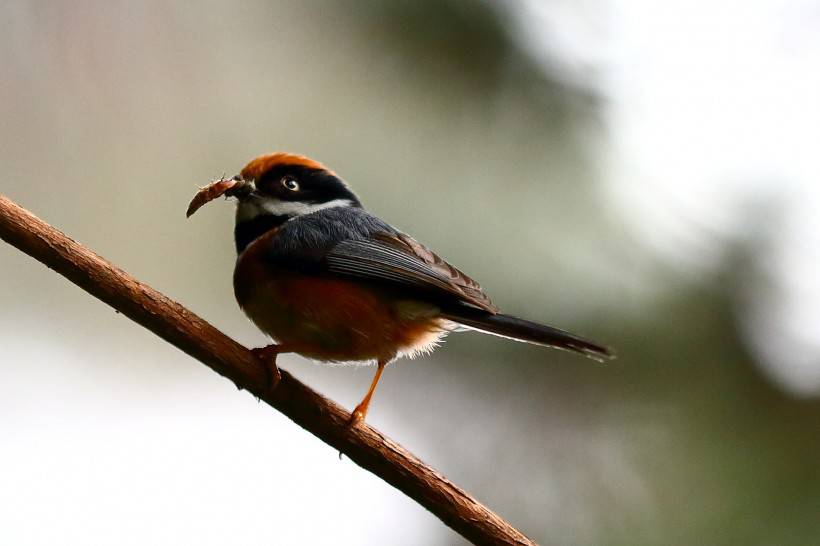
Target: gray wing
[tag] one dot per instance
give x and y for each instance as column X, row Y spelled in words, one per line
column 352, row 243
column 399, row 259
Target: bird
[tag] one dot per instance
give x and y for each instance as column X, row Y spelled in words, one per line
column 326, row 279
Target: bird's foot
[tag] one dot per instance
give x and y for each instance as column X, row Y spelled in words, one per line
column 357, row 416
column 267, row 356
column 360, row 412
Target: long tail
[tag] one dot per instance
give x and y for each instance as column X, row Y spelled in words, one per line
column 526, row 331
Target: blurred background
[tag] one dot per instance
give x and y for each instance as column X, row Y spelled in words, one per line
column 644, row 173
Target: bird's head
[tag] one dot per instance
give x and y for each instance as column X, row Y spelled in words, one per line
column 288, row 185
column 282, row 187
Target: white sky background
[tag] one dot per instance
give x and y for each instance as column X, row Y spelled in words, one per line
column 712, row 111
column 103, row 460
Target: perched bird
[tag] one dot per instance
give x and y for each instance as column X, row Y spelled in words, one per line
column 328, row 280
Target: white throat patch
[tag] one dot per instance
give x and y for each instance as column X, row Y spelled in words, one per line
column 250, row 209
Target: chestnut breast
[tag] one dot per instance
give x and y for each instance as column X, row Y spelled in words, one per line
column 331, row 319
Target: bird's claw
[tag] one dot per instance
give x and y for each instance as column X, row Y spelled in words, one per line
column 356, row 417
column 267, row 356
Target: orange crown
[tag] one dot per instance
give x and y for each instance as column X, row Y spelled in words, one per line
column 264, row 163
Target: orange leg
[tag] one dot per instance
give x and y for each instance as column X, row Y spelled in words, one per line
column 360, row 412
column 267, row 355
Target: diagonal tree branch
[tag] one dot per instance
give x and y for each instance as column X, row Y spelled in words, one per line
column 325, row 419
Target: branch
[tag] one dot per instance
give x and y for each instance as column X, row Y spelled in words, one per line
column 323, row 418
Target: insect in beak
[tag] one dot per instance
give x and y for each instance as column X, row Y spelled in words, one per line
column 235, row 187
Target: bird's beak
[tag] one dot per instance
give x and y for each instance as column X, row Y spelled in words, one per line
column 242, row 190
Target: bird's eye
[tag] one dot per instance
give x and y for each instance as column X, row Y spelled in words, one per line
column 290, row 183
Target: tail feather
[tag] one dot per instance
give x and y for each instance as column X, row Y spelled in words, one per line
column 527, row 331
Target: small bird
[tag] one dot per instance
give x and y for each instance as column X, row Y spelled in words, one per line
column 329, row 281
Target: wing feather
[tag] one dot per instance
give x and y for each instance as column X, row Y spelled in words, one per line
column 397, row 258
column 350, row 242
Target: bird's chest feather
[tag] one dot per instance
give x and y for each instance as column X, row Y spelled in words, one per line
column 328, row 318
